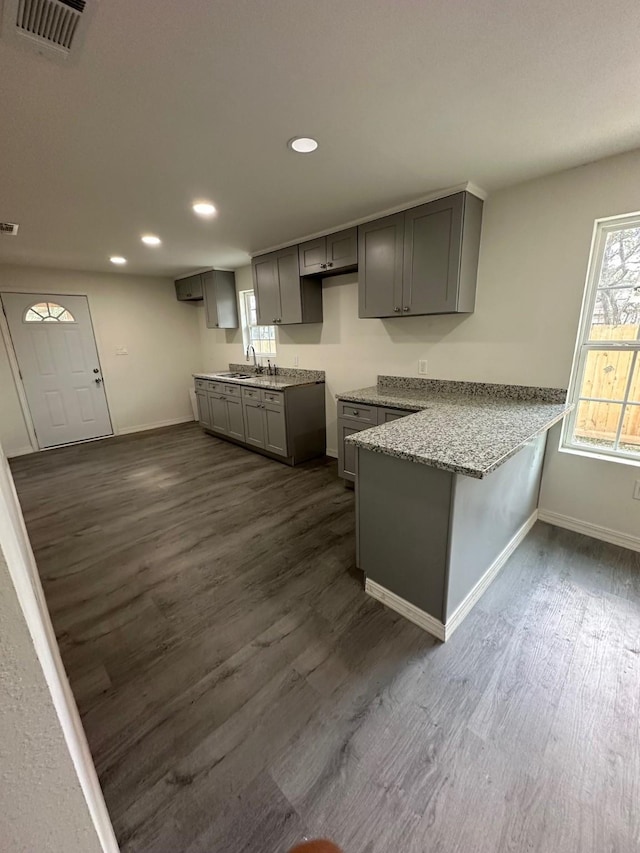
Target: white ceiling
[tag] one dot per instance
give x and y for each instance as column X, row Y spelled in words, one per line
column 174, row 101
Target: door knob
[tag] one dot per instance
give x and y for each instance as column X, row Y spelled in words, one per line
column 98, row 381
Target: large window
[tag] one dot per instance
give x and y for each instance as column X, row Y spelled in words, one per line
column 605, row 383
column 261, row 338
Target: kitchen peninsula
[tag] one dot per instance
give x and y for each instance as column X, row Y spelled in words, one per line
column 446, row 489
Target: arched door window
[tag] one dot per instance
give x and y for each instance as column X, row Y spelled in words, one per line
column 48, row 312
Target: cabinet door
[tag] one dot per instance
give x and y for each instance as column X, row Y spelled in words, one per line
column 190, row 288
column 235, row 421
column 312, row 256
column 290, row 288
column 253, row 423
column 342, row 250
column 266, row 288
column 218, row 418
column 380, row 257
column 347, row 452
column 385, row 416
column 220, row 300
column 275, row 429
column 209, row 296
column 433, row 239
column 204, row 418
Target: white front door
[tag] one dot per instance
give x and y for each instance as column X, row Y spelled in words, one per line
column 56, row 350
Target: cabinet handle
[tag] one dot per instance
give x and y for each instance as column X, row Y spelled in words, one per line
column 323, row 266
column 356, row 413
column 329, row 264
column 407, row 308
column 396, row 309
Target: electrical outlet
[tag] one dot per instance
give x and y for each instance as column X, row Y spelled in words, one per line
column 122, row 351
column 636, row 490
column 422, row 366
column 296, row 361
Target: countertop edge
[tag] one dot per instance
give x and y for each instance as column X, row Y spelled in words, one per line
column 465, row 470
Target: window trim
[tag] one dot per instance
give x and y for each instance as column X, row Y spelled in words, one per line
column 601, row 230
column 246, row 326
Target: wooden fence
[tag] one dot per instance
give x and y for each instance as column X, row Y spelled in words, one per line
column 606, row 375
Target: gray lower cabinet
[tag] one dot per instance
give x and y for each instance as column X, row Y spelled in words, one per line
column 219, row 418
column 421, row 261
column 220, row 300
column 282, row 296
column 253, row 423
column 275, row 428
column 355, row 417
column 235, row 419
column 288, row 424
column 204, row 416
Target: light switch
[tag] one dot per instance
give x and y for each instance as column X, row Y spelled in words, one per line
column 122, row 351
column 422, row 366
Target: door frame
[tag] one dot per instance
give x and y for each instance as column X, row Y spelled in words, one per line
column 5, row 334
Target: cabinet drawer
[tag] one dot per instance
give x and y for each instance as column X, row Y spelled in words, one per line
column 218, row 387
column 354, row 411
column 385, row 416
column 273, row 397
column 231, row 390
column 202, row 384
column 251, row 394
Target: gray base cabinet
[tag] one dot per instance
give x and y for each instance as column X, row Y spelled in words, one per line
column 287, row 424
column 421, row 261
column 354, row 417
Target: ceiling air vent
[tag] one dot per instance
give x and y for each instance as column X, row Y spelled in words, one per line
column 52, row 27
column 9, row 228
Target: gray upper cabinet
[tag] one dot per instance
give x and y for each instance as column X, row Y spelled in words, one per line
column 312, row 256
column 282, row 296
column 220, row 301
column 189, row 289
column 421, row 261
column 266, row 288
column 327, row 255
column 380, row 262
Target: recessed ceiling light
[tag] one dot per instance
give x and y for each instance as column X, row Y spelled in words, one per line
column 118, row 259
column 302, row 144
column 151, row 240
column 204, row 208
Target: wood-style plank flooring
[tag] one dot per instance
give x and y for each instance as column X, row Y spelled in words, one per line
column 240, row 692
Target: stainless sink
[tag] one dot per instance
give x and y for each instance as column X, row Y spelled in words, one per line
column 229, row 375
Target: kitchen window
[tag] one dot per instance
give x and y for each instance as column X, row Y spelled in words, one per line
column 261, row 338
column 605, row 382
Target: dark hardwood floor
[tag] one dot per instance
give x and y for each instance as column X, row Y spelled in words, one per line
column 239, row 691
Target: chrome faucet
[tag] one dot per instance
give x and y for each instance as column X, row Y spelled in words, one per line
column 257, row 367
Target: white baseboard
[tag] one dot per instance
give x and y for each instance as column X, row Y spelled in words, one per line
column 331, row 452
column 157, row 425
column 21, row 451
column 405, row 608
column 430, row 623
column 488, row 577
column 606, row 534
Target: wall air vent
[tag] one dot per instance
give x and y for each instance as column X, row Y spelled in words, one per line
column 9, row 228
column 51, row 27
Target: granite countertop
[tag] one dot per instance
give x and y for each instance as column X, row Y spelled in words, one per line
column 467, row 428
column 287, row 377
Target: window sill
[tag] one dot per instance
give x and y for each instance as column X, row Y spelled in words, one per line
column 602, row 457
